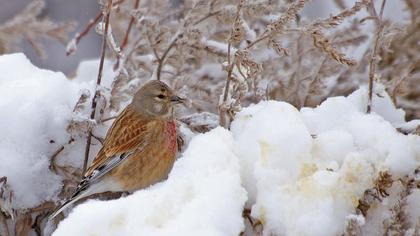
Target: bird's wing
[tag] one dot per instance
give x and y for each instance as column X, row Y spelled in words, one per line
column 128, row 134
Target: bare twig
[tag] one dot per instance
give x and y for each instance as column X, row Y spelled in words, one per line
column 75, row 41
column 53, row 166
column 259, row 39
column 230, row 65
column 98, row 82
column 71, row 47
column 373, row 59
column 161, row 59
column 54, row 156
column 222, row 115
column 211, row 14
column 178, row 35
column 99, row 139
column 130, row 25
column 127, row 33
column 108, row 119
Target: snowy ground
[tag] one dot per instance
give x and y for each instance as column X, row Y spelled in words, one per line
column 301, row 172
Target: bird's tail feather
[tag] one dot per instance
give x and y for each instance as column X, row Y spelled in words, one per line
column 65, row 205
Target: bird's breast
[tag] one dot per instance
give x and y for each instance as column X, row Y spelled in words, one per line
column 171, row 134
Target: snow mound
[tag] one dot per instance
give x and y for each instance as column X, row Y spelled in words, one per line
column 264, row 132
column 36, row 106
column 202, row 196
column 299, row 185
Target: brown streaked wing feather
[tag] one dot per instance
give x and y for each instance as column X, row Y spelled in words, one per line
column 127, row 133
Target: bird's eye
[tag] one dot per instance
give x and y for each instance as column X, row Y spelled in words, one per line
column 161, row 96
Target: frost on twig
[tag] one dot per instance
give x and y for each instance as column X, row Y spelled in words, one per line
column 112, row 44
column 71, row 47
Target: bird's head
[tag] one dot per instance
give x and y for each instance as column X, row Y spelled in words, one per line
column 155, row 99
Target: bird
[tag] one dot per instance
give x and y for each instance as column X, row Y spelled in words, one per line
column 139, row 148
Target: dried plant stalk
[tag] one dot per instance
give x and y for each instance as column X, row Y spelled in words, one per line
column 98, row 83
column 235, row 36
column 373, row 60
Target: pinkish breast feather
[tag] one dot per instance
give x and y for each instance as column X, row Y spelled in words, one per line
column 171, row 132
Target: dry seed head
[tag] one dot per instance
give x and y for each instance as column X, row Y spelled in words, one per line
column 288, row 16
column 321, row 42
column 335, row 20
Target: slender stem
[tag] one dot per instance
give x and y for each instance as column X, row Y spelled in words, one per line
column 381, row 13
column 89, row 26
column 230, row 67
column 127, row 33
column 372, row 62
column 98, row 138
column 98, row 83
column 130, row 25
column 162, row 58
column 222, row 112
column 108, row 119
column 259, row 39
column 206, row 17
column 222, row 115
column 84, row 32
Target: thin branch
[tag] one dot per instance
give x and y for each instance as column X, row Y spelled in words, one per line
column 152, row 45
column 162, row 58
column 259, row 39
column 98, row 83
column 100, row 140
column 229, row 77
column 382, row 9
column 54, row 156
column 312, row 85
column 108, row 119
column 222, row 112
column 53, row 166
column 211, row 14
column 72, row 45
column 130, row 25
column 71, row 48
column 372, row 62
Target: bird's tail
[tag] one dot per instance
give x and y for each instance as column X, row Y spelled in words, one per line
column 63, row 206
column 82, row 191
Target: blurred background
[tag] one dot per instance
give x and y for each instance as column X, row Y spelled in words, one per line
column 79, row 11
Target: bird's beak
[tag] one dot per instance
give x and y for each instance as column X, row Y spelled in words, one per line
column 175, row 99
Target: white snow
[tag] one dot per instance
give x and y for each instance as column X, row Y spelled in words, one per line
column 202, row 196
column 300, row 186
column 264, row 132
column 36, row 107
